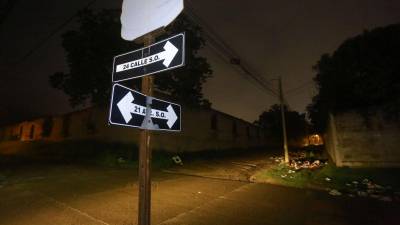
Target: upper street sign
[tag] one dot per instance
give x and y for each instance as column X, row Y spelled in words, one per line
column 161, row 56
column 128, row 108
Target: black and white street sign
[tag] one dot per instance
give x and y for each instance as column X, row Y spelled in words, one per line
column 133, row 109
column 161, row 56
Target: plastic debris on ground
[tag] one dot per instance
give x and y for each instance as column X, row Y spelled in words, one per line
column 356, row 188
column 177, row 160
column 367, row 188
column 335, row 192
column 299, row 160
column 121, row 160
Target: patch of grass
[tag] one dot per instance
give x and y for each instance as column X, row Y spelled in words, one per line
column 280, row 174
column 339, row 176
column 83, row 152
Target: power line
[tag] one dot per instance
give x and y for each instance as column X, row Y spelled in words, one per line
column 43, row 41
column 223, row 48
column 300, row 87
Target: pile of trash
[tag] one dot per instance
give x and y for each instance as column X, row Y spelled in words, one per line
column 367, row 188
column 299, row 160
column 297, row 165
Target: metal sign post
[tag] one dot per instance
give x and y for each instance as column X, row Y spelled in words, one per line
column 153, row 58
column 131, row 108
column 145, row 154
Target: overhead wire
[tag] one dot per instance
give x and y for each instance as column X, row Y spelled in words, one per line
column 217, row 43
column 232, row 57
column 300, row 87
column 43, row 41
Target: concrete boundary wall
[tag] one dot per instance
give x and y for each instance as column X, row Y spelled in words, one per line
column 202, row 129
column 350, row 141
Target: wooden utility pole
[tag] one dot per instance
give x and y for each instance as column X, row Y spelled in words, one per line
column 285, row 147
column 145, row 153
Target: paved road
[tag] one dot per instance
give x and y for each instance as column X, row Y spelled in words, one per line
column 66, row 195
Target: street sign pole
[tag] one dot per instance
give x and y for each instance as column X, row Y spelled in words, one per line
column 145, row 154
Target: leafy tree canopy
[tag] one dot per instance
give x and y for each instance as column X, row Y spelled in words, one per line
column 90, row 50
column 361, row 75
column 271, row 121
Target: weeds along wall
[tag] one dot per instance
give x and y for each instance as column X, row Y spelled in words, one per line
column 352, row 141
column 202, row 129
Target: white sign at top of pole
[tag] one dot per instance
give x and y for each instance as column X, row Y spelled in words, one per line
column 140, row 17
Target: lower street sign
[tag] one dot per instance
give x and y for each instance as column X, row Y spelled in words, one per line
column 133, row 109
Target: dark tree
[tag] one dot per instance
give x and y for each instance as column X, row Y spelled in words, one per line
column 90, row 50
column 361, row 75
column 271, row 122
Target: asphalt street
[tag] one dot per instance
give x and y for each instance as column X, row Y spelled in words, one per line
column 85, row 195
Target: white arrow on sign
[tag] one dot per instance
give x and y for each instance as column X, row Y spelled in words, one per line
column 167, row 55
column 126, row 107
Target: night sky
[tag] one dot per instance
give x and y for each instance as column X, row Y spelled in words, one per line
column 276, row 38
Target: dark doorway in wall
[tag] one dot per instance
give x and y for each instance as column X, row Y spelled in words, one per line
column 214, row 122
column 32, row 132
column 65, row 125
column 21, row 129
column 234, row 129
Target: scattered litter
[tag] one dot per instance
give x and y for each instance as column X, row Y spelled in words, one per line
column 121, row 160
column 297, row 164
column 386, row 199
column 335, row 192
column 177, row 160
column 365, row 181
column 371, row 185
column 363, row 187
column 375, row 196
column 362, row 193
